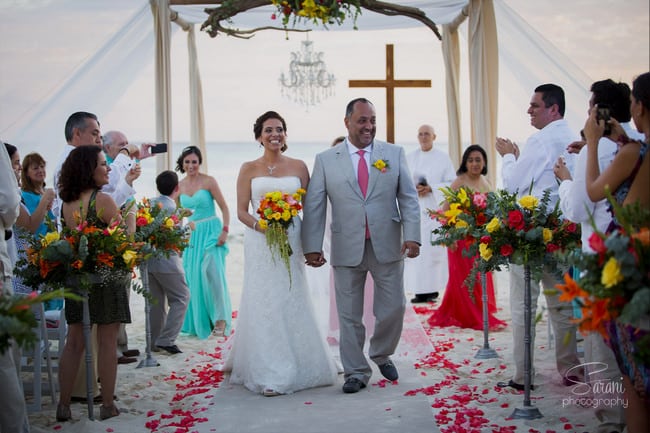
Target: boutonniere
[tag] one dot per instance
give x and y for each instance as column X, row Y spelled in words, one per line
column 381, row 165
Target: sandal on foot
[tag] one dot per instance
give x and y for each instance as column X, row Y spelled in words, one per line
column 106, row 412
column 63, row 413
column 270, row 393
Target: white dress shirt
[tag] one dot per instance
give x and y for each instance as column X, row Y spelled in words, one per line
column 536, row 161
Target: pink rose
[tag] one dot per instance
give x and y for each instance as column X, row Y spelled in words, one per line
column 480, row 200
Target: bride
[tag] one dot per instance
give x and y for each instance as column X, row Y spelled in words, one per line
column 278, row 347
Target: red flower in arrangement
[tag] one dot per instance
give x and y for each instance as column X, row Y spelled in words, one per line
column 507, row 250
column 516, row 220
column 597, row 243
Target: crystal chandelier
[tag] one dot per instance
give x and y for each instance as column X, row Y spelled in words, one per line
column 308, row 81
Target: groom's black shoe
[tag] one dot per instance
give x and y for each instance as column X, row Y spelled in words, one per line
column 424, row 297
column 172, row 350
column 352, row 385
column 388, row 370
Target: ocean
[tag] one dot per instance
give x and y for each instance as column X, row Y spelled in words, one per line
column 222, row 161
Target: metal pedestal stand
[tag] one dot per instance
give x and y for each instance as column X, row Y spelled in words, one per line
column 485, row 352
column 89, row 355
column 528, row 411
column 149, row 360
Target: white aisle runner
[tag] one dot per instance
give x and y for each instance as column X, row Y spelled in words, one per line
column 381, row 407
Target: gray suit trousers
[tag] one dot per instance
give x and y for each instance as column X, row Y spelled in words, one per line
column 169, row 290
column 388, row 308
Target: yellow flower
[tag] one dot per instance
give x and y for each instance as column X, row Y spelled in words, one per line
column 129, row 257
column 547, row 235
column 380, row 165
column 274, row 195
column 453, row 212
column 49, row 238
column 263, row 224
column 461, row 224
column 286, row 215
column 493, row 225
column 276, row 216
column 485, row 251
column 462, row 197
column 529, row 202
column 611, row 275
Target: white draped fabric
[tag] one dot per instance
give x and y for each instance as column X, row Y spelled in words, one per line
column 521, row 50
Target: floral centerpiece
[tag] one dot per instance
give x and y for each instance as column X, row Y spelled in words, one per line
column 75, row 254
column 525, row 231
column 615, row 279
column 160, row 230
column 318, row 11
column 276, row 211
column 17, row 320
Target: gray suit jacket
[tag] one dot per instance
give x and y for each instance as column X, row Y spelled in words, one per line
column 166, row 265
column 390, row 206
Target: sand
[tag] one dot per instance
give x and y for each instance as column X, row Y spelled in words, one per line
column 460, row 391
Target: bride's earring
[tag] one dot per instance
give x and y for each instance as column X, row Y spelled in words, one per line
column 261, row 145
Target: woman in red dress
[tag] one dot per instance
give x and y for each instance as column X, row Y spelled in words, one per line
column 462, row 306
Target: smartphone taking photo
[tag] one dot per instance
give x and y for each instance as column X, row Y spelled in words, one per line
column 159, row 148
column 603, row 114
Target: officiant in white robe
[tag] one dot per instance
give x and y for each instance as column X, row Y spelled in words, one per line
column 431, row 169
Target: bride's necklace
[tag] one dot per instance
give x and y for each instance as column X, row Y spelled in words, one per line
column 271, row 168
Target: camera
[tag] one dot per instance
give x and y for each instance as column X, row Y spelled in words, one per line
column 422, row 181
column 603, row 114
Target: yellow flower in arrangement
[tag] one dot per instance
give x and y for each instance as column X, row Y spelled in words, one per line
column 529, row 202
column 381, row 165
column 452, row 213
column 160, row 230
column 547, row 235
column 463, row 198
column 611, row 273
column 130, row 257
column 276, row 212
column 493, row 225
column 49, row 238
column 485, row 251
column 322, row 11
column 460, row 224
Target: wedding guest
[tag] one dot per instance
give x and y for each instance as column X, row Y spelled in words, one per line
column 277, row 348
column 375, row 224
column 204, row 261
column 575, row 204
column 431, row 169
column 462, row 306
column 167, row 279
column 13, row 416
column 32, row 183
column 531, row 172
column 620, row 176
column 82, row 175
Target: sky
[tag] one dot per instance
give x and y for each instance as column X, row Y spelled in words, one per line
column 44, row 41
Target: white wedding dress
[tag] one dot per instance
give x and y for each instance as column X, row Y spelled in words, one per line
column 277, row 343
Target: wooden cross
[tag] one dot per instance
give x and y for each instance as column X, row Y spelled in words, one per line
column 390, row 83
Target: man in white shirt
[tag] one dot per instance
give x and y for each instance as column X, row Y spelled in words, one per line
column 531, row 172
column 13, row 416
column 431, row 169
column 600, row 362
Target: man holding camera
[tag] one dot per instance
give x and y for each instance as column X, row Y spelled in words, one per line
column 531, row 172
column 431, row 169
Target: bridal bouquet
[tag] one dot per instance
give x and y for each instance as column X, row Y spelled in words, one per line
column 615, row 279
column 161, row 231
column 276, row 212
column 76, row 253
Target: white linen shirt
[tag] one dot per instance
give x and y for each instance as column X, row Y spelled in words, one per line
column 536, row 161
column 575, row 203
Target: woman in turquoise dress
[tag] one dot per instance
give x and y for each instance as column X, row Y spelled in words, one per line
column 204, row 260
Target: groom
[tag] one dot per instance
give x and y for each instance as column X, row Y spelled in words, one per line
column 375, row 221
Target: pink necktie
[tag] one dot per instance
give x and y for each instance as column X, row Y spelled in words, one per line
column 362, row 174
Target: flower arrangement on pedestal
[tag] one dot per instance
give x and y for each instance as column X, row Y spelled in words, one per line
column 503, row 229
column 160, row 230
column 276, row 211
column 77, row 253
column 615, row 280
column 319, row 11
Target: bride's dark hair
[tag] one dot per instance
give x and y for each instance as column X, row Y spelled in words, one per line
column 257, row 127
